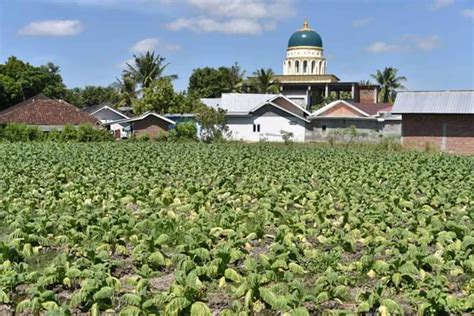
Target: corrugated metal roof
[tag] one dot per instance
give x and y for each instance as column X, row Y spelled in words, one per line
column 212, row 102
column 435, row 102
column 238, row 102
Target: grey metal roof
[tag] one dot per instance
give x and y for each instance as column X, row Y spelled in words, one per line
column 238, row 102
column 212, row 102
column 434, row 102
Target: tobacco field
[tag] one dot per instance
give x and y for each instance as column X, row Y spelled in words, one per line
column 232, row 229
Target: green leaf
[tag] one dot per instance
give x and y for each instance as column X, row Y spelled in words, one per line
column 296, row 268
column 157, row 259
column 232, row 275
column 104, row 293
column 200, row 309
column 176, row 305
column 300, row 311
column 277, row 302
column 392, row 306
column 364, row 307
column 342, row 292
column 130, row 311
column 49, row 305
column 322, row 297
column 131, row 299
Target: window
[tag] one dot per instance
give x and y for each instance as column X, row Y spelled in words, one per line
column 324, row 128
column 256, row 128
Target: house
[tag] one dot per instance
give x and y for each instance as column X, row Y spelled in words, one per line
column 442, row 119
column 370, row 121
column 256, row 117
column 46, row 113
column 107, row 114
column 149, row 123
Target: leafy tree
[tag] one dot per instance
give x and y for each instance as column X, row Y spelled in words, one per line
column 389, row 83
column 263, row 81
column 365, row 82
column 213, row 123
column 20, row 80
column 147, row 68
column 208, row 82
column 92, row 95
column 235, row 78
column 158, row 97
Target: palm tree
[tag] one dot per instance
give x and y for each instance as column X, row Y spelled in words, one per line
column 389, row 83
column 146, row 69
column 126, row 89
column 235, row 77
column 263, row 81
column 365, row 82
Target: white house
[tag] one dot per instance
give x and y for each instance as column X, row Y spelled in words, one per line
column 107, row 114
column 256, row 117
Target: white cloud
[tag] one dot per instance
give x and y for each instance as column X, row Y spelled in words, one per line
column 52, row 28
column 407, row 43
column 152, row 44
column 245, row 17
column 208, row 25
column 248, row 9
column 468, row 13
column 382, row 47
column 439, row 4
column 361, row 22
column 428, row 43
column 145, row 45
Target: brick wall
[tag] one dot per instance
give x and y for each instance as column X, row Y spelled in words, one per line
column 341, row 110
column 450, row 133
column 366, row 95
column 150, row 125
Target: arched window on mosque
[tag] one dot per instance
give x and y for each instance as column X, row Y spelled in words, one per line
column 297, row 66
column 313, row 65
column 305, row 66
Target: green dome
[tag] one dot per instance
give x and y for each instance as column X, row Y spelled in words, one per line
column 305, row 37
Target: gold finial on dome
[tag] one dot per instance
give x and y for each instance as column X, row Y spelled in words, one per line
column 305, row 25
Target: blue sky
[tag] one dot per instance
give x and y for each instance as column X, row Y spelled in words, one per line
column 431, row 42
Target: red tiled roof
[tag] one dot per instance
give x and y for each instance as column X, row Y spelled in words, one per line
column 41, row 110
column 373, row 108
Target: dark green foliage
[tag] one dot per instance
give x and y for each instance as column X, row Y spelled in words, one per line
column 213, row 124
column 389, row 83
column 20, row 133
column 92, row 95
column 83, row 133
column 20, row 80
column 186, row 131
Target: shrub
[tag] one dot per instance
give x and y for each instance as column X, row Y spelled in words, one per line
column 186, row 131
column 287, row 137
column 69, row 133
column 213, row 124
column 19, row 132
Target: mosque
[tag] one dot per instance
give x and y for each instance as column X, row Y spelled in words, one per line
column 305, row 79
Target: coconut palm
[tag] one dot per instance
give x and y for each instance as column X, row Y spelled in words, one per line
column 126, row 89
column 235, row 77
column 146, row 69
column 263, row 81
column 389, row 83
column 365, row 82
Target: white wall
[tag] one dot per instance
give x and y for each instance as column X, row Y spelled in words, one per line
column 241, row 128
